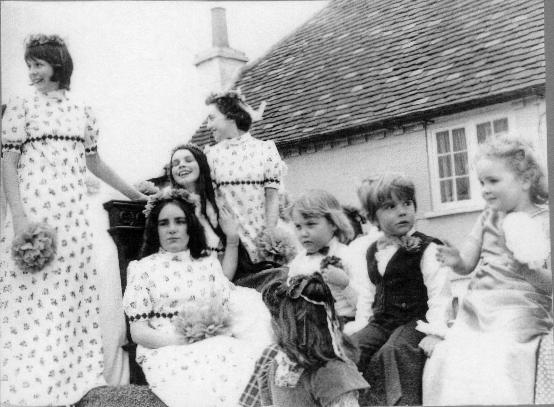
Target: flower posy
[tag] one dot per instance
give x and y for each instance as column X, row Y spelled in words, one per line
column 276, row 245
column 198, row 323
column 35, row 248
column 147, row 188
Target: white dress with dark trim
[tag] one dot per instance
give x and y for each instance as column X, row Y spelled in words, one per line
column 50, row 342
column 211, row 372
column 242, row 168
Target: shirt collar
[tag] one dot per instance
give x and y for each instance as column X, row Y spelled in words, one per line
column 237, row 141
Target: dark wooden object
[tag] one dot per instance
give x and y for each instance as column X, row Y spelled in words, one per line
column 126, row 228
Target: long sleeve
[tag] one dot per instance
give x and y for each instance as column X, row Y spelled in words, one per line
column 437, row 280
column 364, row 288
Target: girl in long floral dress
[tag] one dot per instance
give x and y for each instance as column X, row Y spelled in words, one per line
column 51, row 347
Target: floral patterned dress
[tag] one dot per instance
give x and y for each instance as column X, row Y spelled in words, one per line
column 50, row 343
column 210, row 372
column 242, row 168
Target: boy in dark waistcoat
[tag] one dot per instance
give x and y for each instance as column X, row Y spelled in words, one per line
column 412, row 294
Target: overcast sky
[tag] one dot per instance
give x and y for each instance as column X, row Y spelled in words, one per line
column 134, row 63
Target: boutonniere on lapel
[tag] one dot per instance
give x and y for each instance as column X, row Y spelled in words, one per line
column 410, row 243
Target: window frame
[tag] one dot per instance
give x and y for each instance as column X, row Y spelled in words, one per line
column 469, row 124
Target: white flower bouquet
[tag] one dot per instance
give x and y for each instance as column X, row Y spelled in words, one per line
column 526, row 239
column 200, row 322
column 35, row 248
column 147, row 188
column 276, row 245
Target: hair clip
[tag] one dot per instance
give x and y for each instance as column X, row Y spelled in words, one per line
column 35, row 40
column 170, row 193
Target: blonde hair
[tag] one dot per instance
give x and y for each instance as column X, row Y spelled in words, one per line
column 320, row 203
column 519, row 155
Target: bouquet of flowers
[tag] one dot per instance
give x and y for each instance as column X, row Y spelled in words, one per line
column 210, row 319
column 276, row 245
column 147, row 187
column 35, row 248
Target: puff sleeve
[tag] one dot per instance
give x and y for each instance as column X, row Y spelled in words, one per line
column 275, row 167
column 14, row 130
column 91, row 132
column 137, row 302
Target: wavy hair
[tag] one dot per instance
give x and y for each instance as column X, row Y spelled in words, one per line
column 519, row 155
column 228, row 104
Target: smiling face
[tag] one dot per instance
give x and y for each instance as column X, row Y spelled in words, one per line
column 501, row 188
column 172, row 228
column 185, row 169
column 40, row 74
column 220, row 126
column 314, row 232
column 396, row 217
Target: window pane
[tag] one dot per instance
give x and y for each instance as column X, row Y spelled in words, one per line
column 445, row 167
column 462, row 188
column 460, row 163
column 459, row 139
column 500, row 126
column 483, row 131
column 446, row 191
column 443, row 142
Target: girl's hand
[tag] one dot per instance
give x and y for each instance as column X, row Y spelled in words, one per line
column 428, row 344
column 449, row 255
column 335, row 276
column 228, row 223
column 175, row 338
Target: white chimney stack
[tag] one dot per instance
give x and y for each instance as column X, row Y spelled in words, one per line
column 219, row 65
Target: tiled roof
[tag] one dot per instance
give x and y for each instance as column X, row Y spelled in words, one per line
column 361, row 63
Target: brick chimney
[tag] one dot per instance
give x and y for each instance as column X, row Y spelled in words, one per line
column 219, row 65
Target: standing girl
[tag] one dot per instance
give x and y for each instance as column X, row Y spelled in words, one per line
column 489, row 356
column 51, row 343
column 323, row 229
column 312, row 363
column 246, row 172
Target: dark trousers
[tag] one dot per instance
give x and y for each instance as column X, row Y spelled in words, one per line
column 391, row 362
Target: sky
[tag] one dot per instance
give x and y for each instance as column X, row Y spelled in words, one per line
column 134, row 64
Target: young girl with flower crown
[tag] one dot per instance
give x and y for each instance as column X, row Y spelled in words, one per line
column 51, row 343
column 246, row 172
column 312, row 363
column 504, row 323
column 323, row 229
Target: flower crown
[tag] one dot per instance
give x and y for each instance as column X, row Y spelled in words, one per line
column 191, row 146
column 255, row 115
column 35, row 40
column 170, row 193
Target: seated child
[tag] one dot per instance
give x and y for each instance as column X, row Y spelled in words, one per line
column 499, row 350
column 410, row 285
column 322, row 228
column 312, row 363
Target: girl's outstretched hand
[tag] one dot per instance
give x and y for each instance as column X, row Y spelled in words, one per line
column 228, row 222
column 335, row 276
column 448, row 255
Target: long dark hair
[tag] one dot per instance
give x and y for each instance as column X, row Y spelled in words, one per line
column 52, row 49
column 204, row 185
column 300, row 326
column 151, row 240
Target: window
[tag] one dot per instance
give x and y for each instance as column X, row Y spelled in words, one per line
column 454, row 184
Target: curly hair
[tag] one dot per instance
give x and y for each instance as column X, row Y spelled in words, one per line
column 375, row 191
column 519, row 155
column 228, row 104
column 52, row 49
column 300, row 326
column 320, row 203
column 151, row 239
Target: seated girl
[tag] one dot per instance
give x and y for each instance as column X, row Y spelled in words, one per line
column 313, row 362
column 181, row 313
column 188, row 169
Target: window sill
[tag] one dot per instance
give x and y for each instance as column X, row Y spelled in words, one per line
column 453, row 211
